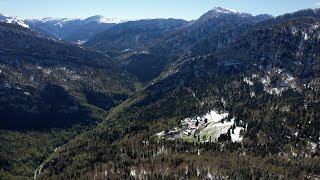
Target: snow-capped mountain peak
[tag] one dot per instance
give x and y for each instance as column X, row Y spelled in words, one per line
column 224, row 10
column 102, row 19
column 219, row 12
column 97, row 19
column 16, row 20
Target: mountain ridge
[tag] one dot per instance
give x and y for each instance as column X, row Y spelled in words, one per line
column 228, row 96
column 68, row 29
column 256, row 78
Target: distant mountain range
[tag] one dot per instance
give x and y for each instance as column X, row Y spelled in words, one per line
column 154, row 44
column 76, row 30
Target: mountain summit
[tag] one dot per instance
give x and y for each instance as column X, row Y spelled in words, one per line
column 102, row 19
column 223, row 10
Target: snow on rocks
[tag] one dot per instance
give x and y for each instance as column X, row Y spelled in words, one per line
column 266, row 82
column 206, row 128
column 305, row 36
column 160, row 134
column 17, row 21
column 248, row 81
column 313, row 147
column 133, row 173
column 27, row 94
column 286, row 82
column 289, row 81
column 236, row 135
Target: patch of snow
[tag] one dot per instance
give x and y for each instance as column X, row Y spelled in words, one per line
column 248, row 81
column 60, row 24
column 160, row 134
column 48, row 19
column 289, row 78
column 266, row 81
column 276, row 91
column 126, row 50
column 209, row 175
column 287, row 81
column 47, row 71
column 290, row 81
column 224, row 10
column 294, row 154
column 315, row 27
column 205, row 128
column 26, row 93
column 133, row 173
column 144, row 52
column 305, row 36
column 235, row 136
column 223, row 102
column 75, row 77
column 17, row 21
column 56, row 149
column 214, row 116
column 79, row 42
column 110, row 20
column 232, row 10
column 313, row 147
column 215, row 129
column 102, row 20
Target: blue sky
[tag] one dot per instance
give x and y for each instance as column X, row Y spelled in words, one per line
column 138, row 9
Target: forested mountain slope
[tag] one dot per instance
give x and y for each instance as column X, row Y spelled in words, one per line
column 156, row 55
column 266, row 81
column 48, row 87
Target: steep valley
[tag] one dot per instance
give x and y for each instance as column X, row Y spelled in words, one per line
column 227, row 96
